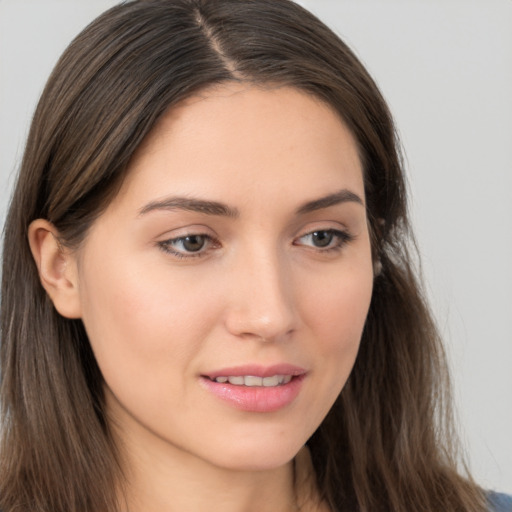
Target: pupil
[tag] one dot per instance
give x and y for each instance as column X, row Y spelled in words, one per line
column 322, row 238
column 193, row 243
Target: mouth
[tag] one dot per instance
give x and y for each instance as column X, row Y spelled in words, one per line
column 256, row 388
column 253, row 380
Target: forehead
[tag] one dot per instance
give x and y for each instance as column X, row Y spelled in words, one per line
column 238, row 137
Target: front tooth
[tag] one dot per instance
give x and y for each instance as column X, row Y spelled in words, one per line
column 271, row 381
column 253, row 381
column 250, row 380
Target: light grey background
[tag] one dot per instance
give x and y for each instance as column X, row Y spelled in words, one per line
column 445, row 66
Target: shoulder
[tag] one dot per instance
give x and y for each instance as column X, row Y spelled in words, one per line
column 499, row 502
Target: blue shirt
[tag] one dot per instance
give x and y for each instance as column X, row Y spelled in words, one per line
column 499, row 502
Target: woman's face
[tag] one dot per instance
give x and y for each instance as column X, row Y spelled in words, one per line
column 225, row 289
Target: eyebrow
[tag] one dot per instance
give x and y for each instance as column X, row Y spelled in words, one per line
column 223, row 210
column 190, row 204
column 342, row 196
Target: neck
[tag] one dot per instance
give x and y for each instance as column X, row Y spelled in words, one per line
column 171, row 490
column 163, row 478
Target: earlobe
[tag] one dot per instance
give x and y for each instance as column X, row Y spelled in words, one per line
column 56, row 266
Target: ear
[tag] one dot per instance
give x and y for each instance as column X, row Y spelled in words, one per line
column 57, row 268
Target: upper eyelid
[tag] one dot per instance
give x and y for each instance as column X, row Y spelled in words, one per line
column 210, row 238
column 324, row 223
column 183, row 232
column 202, row 231
column 342, row 233
column 338, row 228
column 169, row 236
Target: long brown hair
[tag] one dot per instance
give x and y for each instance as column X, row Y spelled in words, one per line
column 387, row 443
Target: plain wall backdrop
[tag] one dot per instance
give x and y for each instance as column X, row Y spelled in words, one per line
column 445, row 67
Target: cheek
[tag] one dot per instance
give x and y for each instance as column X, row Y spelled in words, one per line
column 138, row 319
column 334, row 318
column 339, row 305
column 335, row 315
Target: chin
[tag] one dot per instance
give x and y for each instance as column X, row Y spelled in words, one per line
column 257, row 456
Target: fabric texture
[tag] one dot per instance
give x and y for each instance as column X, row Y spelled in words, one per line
column 499, row 502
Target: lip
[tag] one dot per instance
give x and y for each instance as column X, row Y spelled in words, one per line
column 257, row 371
column 256, row 399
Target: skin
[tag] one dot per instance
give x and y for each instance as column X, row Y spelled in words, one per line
column 260, row 290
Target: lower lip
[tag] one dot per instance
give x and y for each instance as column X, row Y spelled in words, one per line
column 256, row 398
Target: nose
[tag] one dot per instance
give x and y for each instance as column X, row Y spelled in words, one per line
column 261, row 302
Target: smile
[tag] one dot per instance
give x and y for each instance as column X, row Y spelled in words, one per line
column 253, row 381
column 254, row 388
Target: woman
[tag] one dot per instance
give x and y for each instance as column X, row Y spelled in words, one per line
column 206, row 268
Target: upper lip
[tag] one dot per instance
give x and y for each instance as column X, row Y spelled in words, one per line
column 257, row 371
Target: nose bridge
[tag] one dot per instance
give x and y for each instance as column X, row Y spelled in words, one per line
column 262, row 301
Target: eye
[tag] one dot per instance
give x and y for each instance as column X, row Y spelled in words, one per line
column 325, row 239
column 188, row 246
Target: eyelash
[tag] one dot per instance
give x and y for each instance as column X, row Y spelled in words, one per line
column 166, row 246
column 340, row 238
